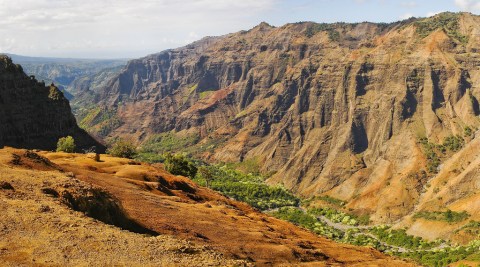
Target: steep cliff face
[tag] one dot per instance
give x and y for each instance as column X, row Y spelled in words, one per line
column 336, row 109
column 32, row 115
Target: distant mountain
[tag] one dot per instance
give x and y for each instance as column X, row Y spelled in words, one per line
column 63, row 72
column 33, row 115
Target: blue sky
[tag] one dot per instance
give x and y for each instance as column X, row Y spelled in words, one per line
column 127, row 28
column 362, row 10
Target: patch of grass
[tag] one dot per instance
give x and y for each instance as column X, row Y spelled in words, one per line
column 189, row 92
column 99, row 120
column 446, row 216
column 205, row 94
column 250, row 165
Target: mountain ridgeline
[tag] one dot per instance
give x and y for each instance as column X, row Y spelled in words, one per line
column 33, row 115
column 367, row 113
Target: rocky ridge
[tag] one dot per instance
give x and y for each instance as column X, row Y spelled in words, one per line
column 33, row 115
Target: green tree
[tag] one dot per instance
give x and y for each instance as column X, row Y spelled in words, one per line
column 449, row 215
column 179, row 165
column 66, row 144
column 207, row 175
column 122, row 148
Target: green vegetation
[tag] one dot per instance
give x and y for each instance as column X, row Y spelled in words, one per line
column 447, row 21
column 308, row 221
column 122, row 148
column 472, row 228
column 205, row 94
column 54, row 93
column 433, row 160
column 340, row 217
column 249, row 188
column 179, row 165
column 467, row 131
column 250, row 165
column 104, row 120
column 447, row 216
column 149, row 157
column 472, row 224
column 331, row 200
column 435, row 153
column 453, row 143
column 382, row 237
column 168, row 142
column 189, row 92
column 296, row 216
column 244, row 182
column 400, row 238
column 445, row 256
column 331, row 29
column 66, row 144
column 355, row 237
column 206, row 174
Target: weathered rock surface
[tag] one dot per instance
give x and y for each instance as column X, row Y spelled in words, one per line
column 33, row 115
column 332, row 109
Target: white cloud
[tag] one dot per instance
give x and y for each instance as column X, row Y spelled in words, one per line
column 468, row 5
column 111, row 27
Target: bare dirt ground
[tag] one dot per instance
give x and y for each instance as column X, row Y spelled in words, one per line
column 197, row 227
column 37, row 229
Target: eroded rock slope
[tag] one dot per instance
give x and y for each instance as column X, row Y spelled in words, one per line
column 336, row 109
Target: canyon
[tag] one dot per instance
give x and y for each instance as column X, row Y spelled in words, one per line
column 326, row 109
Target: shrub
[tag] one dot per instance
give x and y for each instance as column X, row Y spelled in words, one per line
column 54, row 93
column 122, row 148
column 180, row 165
column 66, row 144
column 467, row 131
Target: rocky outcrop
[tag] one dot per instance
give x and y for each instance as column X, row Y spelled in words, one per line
column 335, row 109
column 33, row 115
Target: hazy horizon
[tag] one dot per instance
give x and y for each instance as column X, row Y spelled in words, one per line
column 107, row 29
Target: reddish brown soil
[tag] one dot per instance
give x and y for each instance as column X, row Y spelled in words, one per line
column 174, row 205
